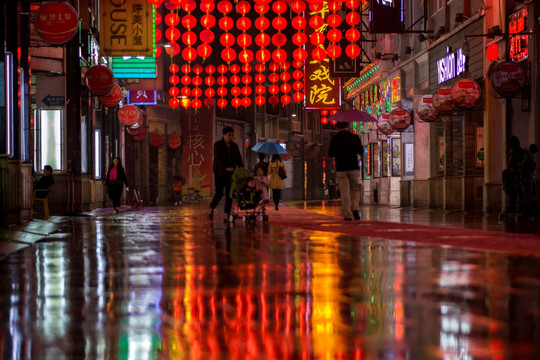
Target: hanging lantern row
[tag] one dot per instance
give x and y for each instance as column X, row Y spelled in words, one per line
column 324, row 116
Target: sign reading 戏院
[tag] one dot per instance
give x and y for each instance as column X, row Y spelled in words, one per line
column 126, row 28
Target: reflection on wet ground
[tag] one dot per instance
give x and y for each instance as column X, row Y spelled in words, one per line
column 168, row 284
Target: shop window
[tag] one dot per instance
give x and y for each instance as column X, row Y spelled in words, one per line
column 49, row 140
column 97, row 154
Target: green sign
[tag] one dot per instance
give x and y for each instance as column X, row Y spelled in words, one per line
column 128, row 67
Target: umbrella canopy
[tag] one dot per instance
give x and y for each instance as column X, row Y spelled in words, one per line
column 267, row 147
column 352, row 115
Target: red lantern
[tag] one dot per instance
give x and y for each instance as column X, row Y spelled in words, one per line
column 236, row 102
column 352, row 35
column 224, row 7
column 247, row 68
column 279, row 23
column 334, row 5
column 285, row 99
column 353, row 4
column 222, row 91
column 207, row 6
column 334, row 20
column 317, row 6
column 173, row 49
column 196, row 103
column 157, row 139
column 260, row 67
column 279, row 55
column 158, row 18
column 210, row 69
column 333, row 122
column 243, row 7
column 189, row 38
column 197, row 81
column 324, row 112
column 300, row 54
column 244, row 40
column 112, row 98
column 209, row 102
column 260, row 100
column 262, row 39
column 222, row 69
column 189, row 54
column 260, row 89
column 188, row 6
column 185, row 91
column 262, row 23
column 246, row 102
column 174, row 141
column 273, row 77
column 172, row 19
column 174, row 79
column 243, row 23
column 285, row 76
column 259, row 78
column 186, row 68
column 209, row 80
column 299, row 23
column 297, row 64
column 222, row 80
column 298, row 6
column 189, row 21
column 333, row 51
column 174, row 91
column 274, row 100
column 299, row 39
column 185, row 102
column 208, row 21
column 221, row 103
column 174, row 102
column 246, row 91
column 334, row 35
column 316, row 21
column 157, row 37
column 324, row 120
column 279, row 39
column 263, row 55
column 298, row 85
column 285, row 88
column 318, row 54
column 174, row 68
column 207, row 36
column 297, row 74
column 185, row 80
column 245, row 56
column 298, row 97
column 273, row 89
column 273, row 66
column 204, row 50
column 235, row 79
column 228, row 55
column 227, row 39
column 158, row 52
column 353, row 18
column 317, row 38
column 352, row 50
column 247, row 79
column 198, row 69
column 209, row 93
column 235, row 91
column 332, row 112
column 226, row 23
column 261, row 8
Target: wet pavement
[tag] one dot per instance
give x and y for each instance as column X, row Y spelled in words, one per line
column 167, row 283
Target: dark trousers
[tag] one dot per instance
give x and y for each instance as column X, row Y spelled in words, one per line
column 115, row 193
column 276, row 195
column 222, row 183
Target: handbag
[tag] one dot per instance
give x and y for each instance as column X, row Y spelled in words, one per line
column 281, row 172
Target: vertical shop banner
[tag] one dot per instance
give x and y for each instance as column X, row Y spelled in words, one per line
column 198, row 148
column 322, row 91
column 126, row 28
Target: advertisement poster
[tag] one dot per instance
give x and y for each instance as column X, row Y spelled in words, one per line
column 385, row 144
column 198, row 148
column 367, row 162
column 376, row 160
column 409, row 158
column 396, row 157
column 479, row 147
column 441, row 154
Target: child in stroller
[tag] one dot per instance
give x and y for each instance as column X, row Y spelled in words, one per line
column 248, row 198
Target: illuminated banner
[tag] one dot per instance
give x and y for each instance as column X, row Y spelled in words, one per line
column 142, row 97
column 386, row 16
column 126, row 28
column 519, row 44
column 134, row 67
column 451, row 66
column 198, row 148
column 322, row 91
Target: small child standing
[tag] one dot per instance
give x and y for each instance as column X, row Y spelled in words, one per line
column 177, row 189
column 262, row 182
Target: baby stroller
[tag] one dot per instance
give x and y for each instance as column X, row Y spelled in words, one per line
column 253, row 207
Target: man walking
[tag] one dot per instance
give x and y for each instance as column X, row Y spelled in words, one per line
column 344, row 147
column 226, row 158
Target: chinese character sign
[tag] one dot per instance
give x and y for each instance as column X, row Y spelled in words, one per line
column 197, row 149
column 322, row 91
column 126, row 28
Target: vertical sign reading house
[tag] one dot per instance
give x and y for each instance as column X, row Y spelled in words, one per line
column 197, row 149
column 322, row 91
column 126, row 28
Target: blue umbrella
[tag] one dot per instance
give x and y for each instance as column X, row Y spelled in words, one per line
column 267, row 147
column 352, row 115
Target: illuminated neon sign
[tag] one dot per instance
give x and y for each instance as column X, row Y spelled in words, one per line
column 451, row 66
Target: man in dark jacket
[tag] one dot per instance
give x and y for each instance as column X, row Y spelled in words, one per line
column 344, row 147
column 227, row 157
column 45, row 182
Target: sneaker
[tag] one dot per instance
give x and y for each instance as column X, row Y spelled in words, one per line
column 356, row 215
column 277, row 207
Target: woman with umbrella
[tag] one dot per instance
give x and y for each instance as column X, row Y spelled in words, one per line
column 276, row 181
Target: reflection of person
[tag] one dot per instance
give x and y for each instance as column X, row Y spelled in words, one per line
column 46, row 181
column 527, row 167
column 345, row 148
column 511, row 175
column 261, row 164
column 227, row 157
column 262, row 182
column 116, row 178
column 276, row 182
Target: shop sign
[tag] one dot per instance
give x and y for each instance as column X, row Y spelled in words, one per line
column 174, row 141
column 451, row 66
column 286, row 156
column 112, row 98
column 466, row 93
column 138, row 123
column 128, row 115
column 126, row 28
column 383, row 124
column 508, row 78
column 400, row 119
column 386, row 16
column 157, row 139
column 141, row 136
column 56, row 22
column 134, row 132
column 425, row 109
column 519, row 44
column 322, row 91
column 142, row 97
column 442, row 100
column 99, row 79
